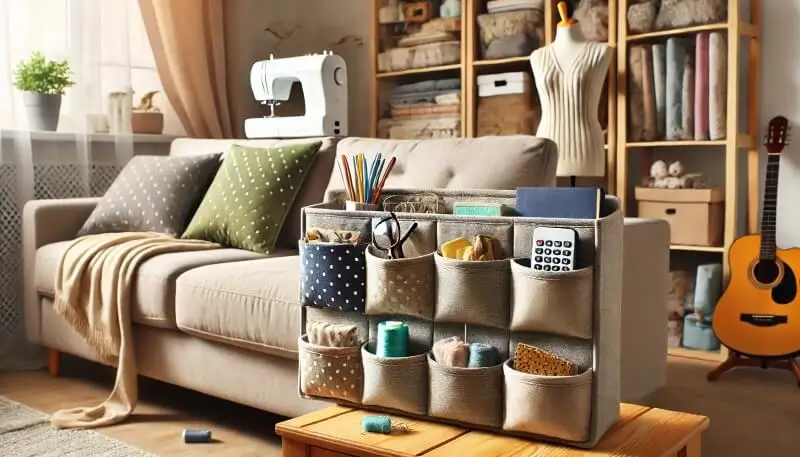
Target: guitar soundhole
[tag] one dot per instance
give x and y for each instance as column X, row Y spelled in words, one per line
column 766, row 271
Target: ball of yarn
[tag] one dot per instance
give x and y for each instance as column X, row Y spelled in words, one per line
column 451, row 352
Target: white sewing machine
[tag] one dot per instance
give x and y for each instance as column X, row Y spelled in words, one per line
column 324, row 81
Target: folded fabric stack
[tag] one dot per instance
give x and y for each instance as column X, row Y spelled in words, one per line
column 437, row 42
column 511, row 28
column 678, row 89
column 426, row 109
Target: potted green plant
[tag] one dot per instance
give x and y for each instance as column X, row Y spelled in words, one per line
column 43, row 83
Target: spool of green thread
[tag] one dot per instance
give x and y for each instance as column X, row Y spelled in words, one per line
column 392, row 339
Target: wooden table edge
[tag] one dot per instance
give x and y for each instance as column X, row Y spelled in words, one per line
column 299, row 434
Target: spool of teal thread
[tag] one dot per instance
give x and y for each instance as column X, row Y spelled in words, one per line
column 482, row 355
column 377, row 424
column 392, row 339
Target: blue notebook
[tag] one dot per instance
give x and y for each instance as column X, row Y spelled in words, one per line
column 560, row 202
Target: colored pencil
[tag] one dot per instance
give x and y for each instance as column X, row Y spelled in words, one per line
column 349, row 182
column 385, row 175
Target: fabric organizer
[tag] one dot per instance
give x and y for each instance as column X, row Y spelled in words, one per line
column 573, row 314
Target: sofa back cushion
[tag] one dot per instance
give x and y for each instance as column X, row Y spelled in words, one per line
column 312, row 191
column 490, row 162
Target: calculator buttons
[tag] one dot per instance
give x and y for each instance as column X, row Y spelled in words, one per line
column 539, row 250
column 539, row 242
column 568, row 244
column 557, row 244
column 548, row 243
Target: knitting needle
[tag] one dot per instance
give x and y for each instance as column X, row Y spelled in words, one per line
column 344, row 181
column 375, row 177
column 386, row 175
column 356, row 176
column 349, row 182
column 367, row 177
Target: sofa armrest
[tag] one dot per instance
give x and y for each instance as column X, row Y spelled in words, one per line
column 645, row 287
column 45, row 222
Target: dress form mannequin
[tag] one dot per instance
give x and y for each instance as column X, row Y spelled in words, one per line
column 569, row 75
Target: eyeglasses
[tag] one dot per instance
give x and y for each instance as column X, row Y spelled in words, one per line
column 387, row 236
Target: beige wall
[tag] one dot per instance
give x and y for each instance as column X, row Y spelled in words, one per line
column 296, row 28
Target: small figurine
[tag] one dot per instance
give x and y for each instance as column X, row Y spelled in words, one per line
column 146, row 104
column 672, row 177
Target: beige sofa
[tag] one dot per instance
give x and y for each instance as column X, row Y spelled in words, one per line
column 226, row 322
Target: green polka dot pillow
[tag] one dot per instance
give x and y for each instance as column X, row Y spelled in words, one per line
column 153, row 194
column 249, row 200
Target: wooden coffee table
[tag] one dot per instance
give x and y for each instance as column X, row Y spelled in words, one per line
column 336, row 432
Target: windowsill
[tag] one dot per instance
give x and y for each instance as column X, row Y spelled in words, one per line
column 70, row 137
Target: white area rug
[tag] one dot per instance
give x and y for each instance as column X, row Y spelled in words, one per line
column 25, row 432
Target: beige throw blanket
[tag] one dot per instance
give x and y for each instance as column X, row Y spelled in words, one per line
column 92, row 292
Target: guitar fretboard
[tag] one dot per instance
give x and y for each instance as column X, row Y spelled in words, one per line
column 769, row 210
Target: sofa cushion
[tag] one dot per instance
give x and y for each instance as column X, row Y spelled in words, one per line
column 490, row 162
column 153, row 194
column 312, row 191
column 252, row 304
column 248, row 202
column 153, row 301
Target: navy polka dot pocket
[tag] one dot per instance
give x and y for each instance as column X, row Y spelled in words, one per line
column 333, row 276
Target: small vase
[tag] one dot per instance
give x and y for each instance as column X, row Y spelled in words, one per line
column 450, row 8
column 42, row 110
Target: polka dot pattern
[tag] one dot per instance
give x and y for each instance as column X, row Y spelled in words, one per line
column 246, row 205
column 153, row 194
column 332, row 376
column 333, row 276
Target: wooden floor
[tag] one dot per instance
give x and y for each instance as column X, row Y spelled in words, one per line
column 753, row 412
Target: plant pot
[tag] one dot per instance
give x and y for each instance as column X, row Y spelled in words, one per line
column 147, row 123
column 43, row 110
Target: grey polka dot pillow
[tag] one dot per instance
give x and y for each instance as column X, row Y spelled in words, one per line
column 154, row 194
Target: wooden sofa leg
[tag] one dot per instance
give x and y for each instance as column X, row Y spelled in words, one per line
column 53, row 362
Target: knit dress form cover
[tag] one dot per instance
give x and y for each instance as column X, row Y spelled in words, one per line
column 570, row 98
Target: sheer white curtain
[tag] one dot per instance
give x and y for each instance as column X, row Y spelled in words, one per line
column 107, row 48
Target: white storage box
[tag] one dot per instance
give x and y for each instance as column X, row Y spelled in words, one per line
column 504, row 84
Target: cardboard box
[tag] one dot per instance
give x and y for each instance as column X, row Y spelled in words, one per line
column 696, row 216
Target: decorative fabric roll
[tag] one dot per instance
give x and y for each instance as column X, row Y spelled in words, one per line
column 332, row 335
column 717, row 85
column 635, row 96
column 675, row 60
column 687, row 98
column 701, row 87
column 451, row 352
column 648, row 96
column 660, row 87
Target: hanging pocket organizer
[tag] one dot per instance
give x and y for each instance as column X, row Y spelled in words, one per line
column 467, row 395
column 330, row 372
column 551, row 301
column 556, row 406
column 400, row 286
column 472, row 292
column 333, row 276
column 398, row 383
column 574, row 315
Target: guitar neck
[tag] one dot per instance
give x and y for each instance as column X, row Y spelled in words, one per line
column 769, row 210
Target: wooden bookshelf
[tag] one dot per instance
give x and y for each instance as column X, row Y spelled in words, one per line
column 740, row 24
column 471, row 66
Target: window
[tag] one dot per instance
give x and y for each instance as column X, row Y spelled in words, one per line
column 105, row 42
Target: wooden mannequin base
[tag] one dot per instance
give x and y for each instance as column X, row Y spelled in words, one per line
column 737, row 360
column 53, row 362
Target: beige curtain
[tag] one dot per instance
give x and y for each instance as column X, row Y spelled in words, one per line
column 188, row 40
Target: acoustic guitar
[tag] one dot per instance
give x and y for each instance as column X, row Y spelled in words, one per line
column 758, row 315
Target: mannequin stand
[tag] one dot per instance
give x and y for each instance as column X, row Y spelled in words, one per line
column 738, row 360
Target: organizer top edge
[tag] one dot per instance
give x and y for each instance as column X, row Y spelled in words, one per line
column 611, row 203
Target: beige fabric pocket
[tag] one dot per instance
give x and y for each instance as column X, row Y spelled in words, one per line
column 400, row 286
column 557, row 302
column 549, row 406
column 468, row 395
column 399, row 383
column 472, row 292
column 330, row 372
